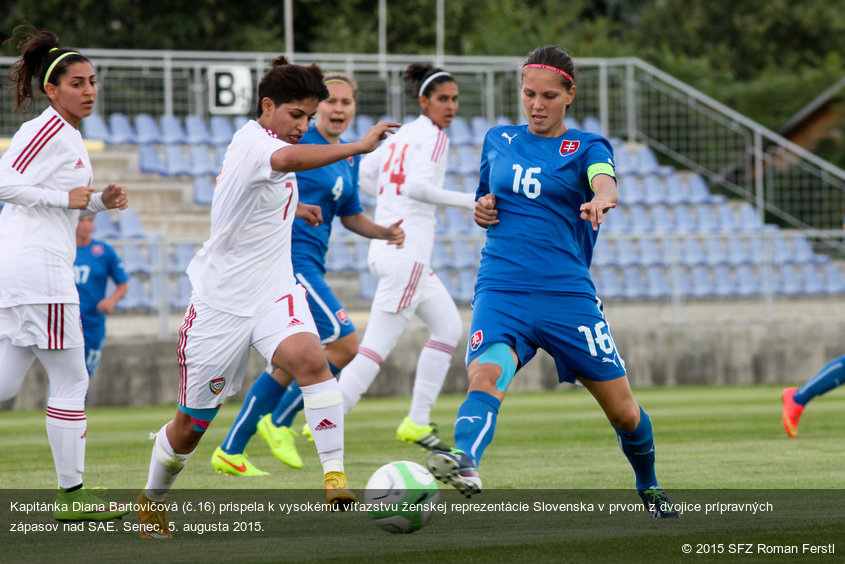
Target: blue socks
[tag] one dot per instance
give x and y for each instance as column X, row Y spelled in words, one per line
column 829, row 377
column 476, row 423
column 638, row 446
column 262, row 397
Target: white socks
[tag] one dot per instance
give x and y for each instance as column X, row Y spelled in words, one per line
column 324, row 414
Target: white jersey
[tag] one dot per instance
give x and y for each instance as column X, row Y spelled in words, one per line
column 245, row 264
column 407, row 172
column 45, row 161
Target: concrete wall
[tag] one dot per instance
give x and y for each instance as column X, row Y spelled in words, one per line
column 143, row 371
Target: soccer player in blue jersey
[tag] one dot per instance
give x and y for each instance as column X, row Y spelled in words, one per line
column 542, row 194
column 268, row 408
column 831, row 375
column 96, row 262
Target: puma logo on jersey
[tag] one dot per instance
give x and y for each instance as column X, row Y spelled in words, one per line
column 611, row 360
column 79, row 164
column 509, row 137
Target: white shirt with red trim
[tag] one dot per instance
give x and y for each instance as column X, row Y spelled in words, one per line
column 407, row 172
column 245, row 264
column 45, row 161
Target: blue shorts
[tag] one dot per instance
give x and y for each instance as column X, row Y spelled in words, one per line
column 94, row 339
column 329, row 315
column 572, row 329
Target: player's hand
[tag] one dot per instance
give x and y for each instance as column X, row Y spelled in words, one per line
column 594, row 210
column 79, row 197
column 485, row 211
column 312, row 215
column 396, row 235
column 377, row 133
column 114, row 197
column 106, row 305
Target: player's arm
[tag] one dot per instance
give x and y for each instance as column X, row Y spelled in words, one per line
column 298, row 158
column 35, row 196
column 425, row 178
column 106, row 305
column 484, row 214
column 605, row 197
column 365, row 227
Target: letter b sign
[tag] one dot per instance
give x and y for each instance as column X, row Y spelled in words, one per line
column 229, row 90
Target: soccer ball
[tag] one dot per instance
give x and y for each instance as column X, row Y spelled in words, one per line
column 401, row 496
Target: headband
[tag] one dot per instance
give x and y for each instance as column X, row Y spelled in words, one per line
column 54, row 63
column 336, row 78
column 547, row 67
column 429, row 79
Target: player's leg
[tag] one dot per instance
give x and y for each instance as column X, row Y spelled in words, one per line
column 16, row 362
column 261, row 398
column 94, row 340
column 441, row 317
column 829, row 377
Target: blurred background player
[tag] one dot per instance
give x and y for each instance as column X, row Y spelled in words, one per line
column 407, row 173
column 45, row 180
column 245, row 293
column 96, row 262
column 831, row 375
column 267, row 406
column 534, row 288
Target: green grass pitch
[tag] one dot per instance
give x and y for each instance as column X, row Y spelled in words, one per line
column 713, row 444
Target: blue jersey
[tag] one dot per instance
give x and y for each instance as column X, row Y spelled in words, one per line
column 94, row 265
column 540, row 243
column 334, row 188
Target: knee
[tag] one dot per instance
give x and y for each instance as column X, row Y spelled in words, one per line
column 625, row 417
column 311, row 367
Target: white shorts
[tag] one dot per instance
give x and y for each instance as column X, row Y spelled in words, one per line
column 214, row 346
column 46, row 326
column 403, row 285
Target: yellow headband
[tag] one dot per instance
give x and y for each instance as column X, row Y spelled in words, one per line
column 53, row 65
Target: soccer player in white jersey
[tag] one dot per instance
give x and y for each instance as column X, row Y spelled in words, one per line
column 244, row 290
column 45, row 182
column 407, row 175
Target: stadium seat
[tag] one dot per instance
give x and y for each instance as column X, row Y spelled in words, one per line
column 650, row 254
column 684, row 219
column 136, row 298
column 723, row 282
column 803, row 252
column 714, row 251
column 459, row 132
column 469, row 183
column 747, row 283
column 361, row 252
column 657, row 287
column 609, row 286
column 363, row 123
column 183, row 254
column 615, row 221
column 341, row 257
column 727, row 219
column 604, row 253
column 239, row 121
column 203, row 190
column 196, row 132
column 691, row 252
column 219, row 155
column 811, row 281
column 781, row 250
column 700, row 284
column 661, row 219
column 130, row 225
column 146, row 129
column 104, row 226
column 201, row 162
column 631, row 191
column 94, row 127
column 676, row 192
column 653, row 191
column 593, row 125
column 698, row 191
column 833, row 280
column 705, row 221
column 149, row 160
column 172, row 132
column 789, row 282
column 633, row 285
column 468, row 161
column 466, row 285
column 627, row 253
column 221, row 130
column 671, row 251
column 457, row 221
column 367, row 285
column 135, row 260
column 748, row 218
column 121, row 129
column 624, row 163
column 465, row 254
column 736, row 251
column 647, row 161
column 440, row 257
column 175, row 162
column 182, row 297
column 639, row 220
column 479, row 128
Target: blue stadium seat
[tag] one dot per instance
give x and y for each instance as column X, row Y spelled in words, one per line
column 175, row 162
column 661, row 219
column 698, row 191
column 149, row 160
column 672, row 251
column 201, row 162
column 803, row 252
column 789, row 282
column 363, row 123
column 639, row 220
column 684, row 219
column 608, row 286
column 624, row 163
column 121, row 129
column 104, row 227
column 647, row 161
column 203, row 190
column 457, row 221
column 468, row 161
column 239, row 121
column 469, row 183
column 657, row 286
column 759, row 250
column 361, row 253
column 723, row 282
column 479, row 128
column 727, row 219
column 714, row 251
column 130, row 225
column 448, row 279
column 747, row 282
column 737, row 251
column 701, row 286
column 653, row 190
column 341, row 256
column 833, row 280
column 676, row 192
column 221, row 130
column 592, row 124
column 466, row 285
column 627, row 253
column 631, row 191
column 615, row 221
column 811, row 281
column 748, row 218
column 459, row 132
column 781, row 250
column 219, row 155
column 466, row 254
column 705, row 221
column 650, row 254
column 367, row 285
column 172, row 132
column 146, row 129
column 182, row 255
column 440, row 257
column 135, row 260
column 691, row 252
column 94, row 127
column 136, row 298
column 604, row 253
column 182, row 296
column 196, row 131
column 633, row 285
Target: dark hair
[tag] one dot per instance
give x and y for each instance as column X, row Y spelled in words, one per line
column 38, row 48
column 556, row 57
column 286, row 82
column 417, row 73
